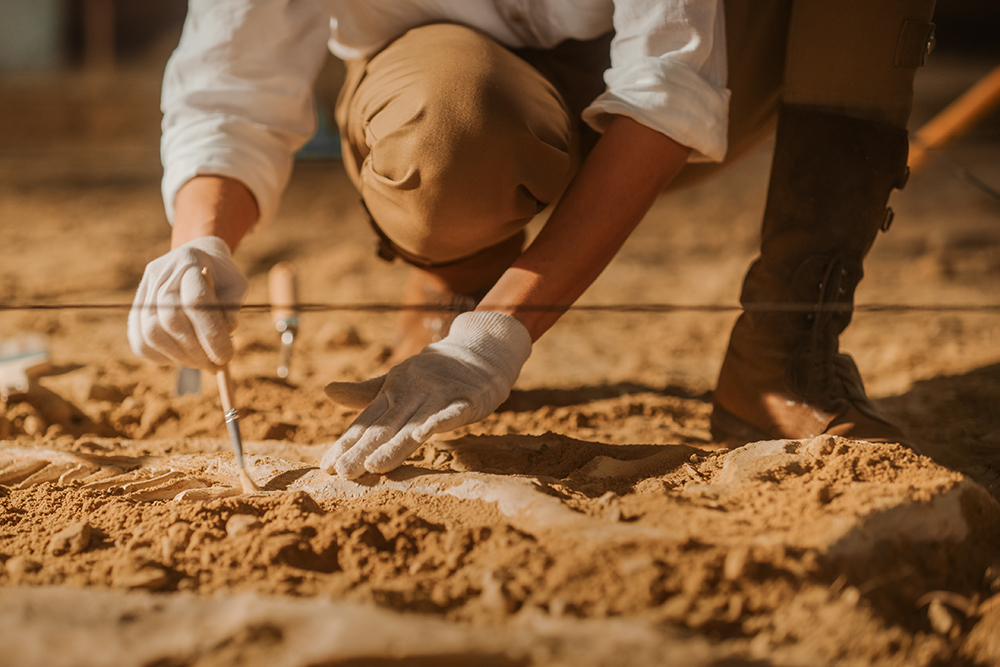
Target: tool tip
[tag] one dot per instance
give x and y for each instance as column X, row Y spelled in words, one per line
column 247, row 482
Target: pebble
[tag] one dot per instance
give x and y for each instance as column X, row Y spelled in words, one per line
column 71, row 540
column 942, row 619
column 18, row 566
column 735, row 564
column 146, row 577
column 33, row 426
column 179, row 534
column 494, row 596
column 176, row 539
column 239, row 524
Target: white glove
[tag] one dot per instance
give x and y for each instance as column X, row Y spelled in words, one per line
column 177, row 316
column 456, row 381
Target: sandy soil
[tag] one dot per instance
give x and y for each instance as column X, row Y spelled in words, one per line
column 590, row 521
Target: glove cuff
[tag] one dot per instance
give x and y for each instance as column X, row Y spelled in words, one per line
column 211, row 245
column 499, row 339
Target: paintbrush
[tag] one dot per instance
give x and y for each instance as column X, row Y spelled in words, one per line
column 227, row 393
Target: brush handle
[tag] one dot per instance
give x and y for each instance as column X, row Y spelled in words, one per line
column 227, row 390
column 227, row 393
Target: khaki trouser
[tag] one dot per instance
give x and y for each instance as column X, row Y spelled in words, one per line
column 455, row 142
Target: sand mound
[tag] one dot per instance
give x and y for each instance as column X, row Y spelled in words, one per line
column 827, row 547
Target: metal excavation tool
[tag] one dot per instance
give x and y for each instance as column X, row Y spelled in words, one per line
column 283, row 288
column 188, row 381
column 22, row 359
column 227, row 393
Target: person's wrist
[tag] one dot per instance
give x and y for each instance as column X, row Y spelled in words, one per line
column 497, row 338
column 213, row 206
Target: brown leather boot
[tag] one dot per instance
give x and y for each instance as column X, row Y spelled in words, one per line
column 783, row 375
column 438, row 294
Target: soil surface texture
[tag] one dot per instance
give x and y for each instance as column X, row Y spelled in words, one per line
column 591, row 520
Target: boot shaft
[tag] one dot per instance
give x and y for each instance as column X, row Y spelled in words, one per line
column 831, row 178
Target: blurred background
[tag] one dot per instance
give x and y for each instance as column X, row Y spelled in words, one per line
column 79, row 80
column 81, row 215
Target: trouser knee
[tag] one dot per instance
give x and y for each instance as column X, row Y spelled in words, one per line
column 454, row 141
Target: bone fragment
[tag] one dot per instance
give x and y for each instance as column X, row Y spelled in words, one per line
column 79, row 471
column 50, row 473
column 20, row 471
column 209, row 493
column 167, row 491
column 132, row 487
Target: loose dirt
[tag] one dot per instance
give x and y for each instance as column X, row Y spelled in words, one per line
column 590, row 521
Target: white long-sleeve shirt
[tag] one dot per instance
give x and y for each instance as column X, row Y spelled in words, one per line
column 237, row 92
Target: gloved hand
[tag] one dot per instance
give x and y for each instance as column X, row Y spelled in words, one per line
column 176, row 316
column 456, row 381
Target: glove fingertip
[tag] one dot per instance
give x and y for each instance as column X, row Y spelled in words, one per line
column 349, row 469
column 329, row 461
column 381, row 464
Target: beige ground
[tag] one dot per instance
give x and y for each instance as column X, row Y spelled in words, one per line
column 590, row 521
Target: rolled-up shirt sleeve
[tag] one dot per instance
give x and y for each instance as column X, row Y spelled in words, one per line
column 668, row 72
column 237, row 94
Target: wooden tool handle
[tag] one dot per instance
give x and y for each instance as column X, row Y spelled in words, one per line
column 227, row 390
column 956, row 118
column 283, row 288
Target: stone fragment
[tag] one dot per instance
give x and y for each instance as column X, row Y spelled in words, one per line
column 820, row 446
column 71, row 540
column 239, row 524
column 494, row 596
column 34, row 426
column 148, row 577
column 178, row 536
column 767, row 460
column 943, row 620
column 19, row 566
column 735, row 564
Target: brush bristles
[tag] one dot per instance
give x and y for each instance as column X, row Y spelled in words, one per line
column 247, row 483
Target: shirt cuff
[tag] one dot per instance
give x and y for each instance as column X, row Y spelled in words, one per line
column 221, row 146
column 671, row 98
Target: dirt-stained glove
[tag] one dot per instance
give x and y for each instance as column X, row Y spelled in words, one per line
column 177, row 316
column 456, row 381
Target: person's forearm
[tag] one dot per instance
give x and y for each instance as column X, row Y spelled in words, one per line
column 618, row 182
column 213, row 206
